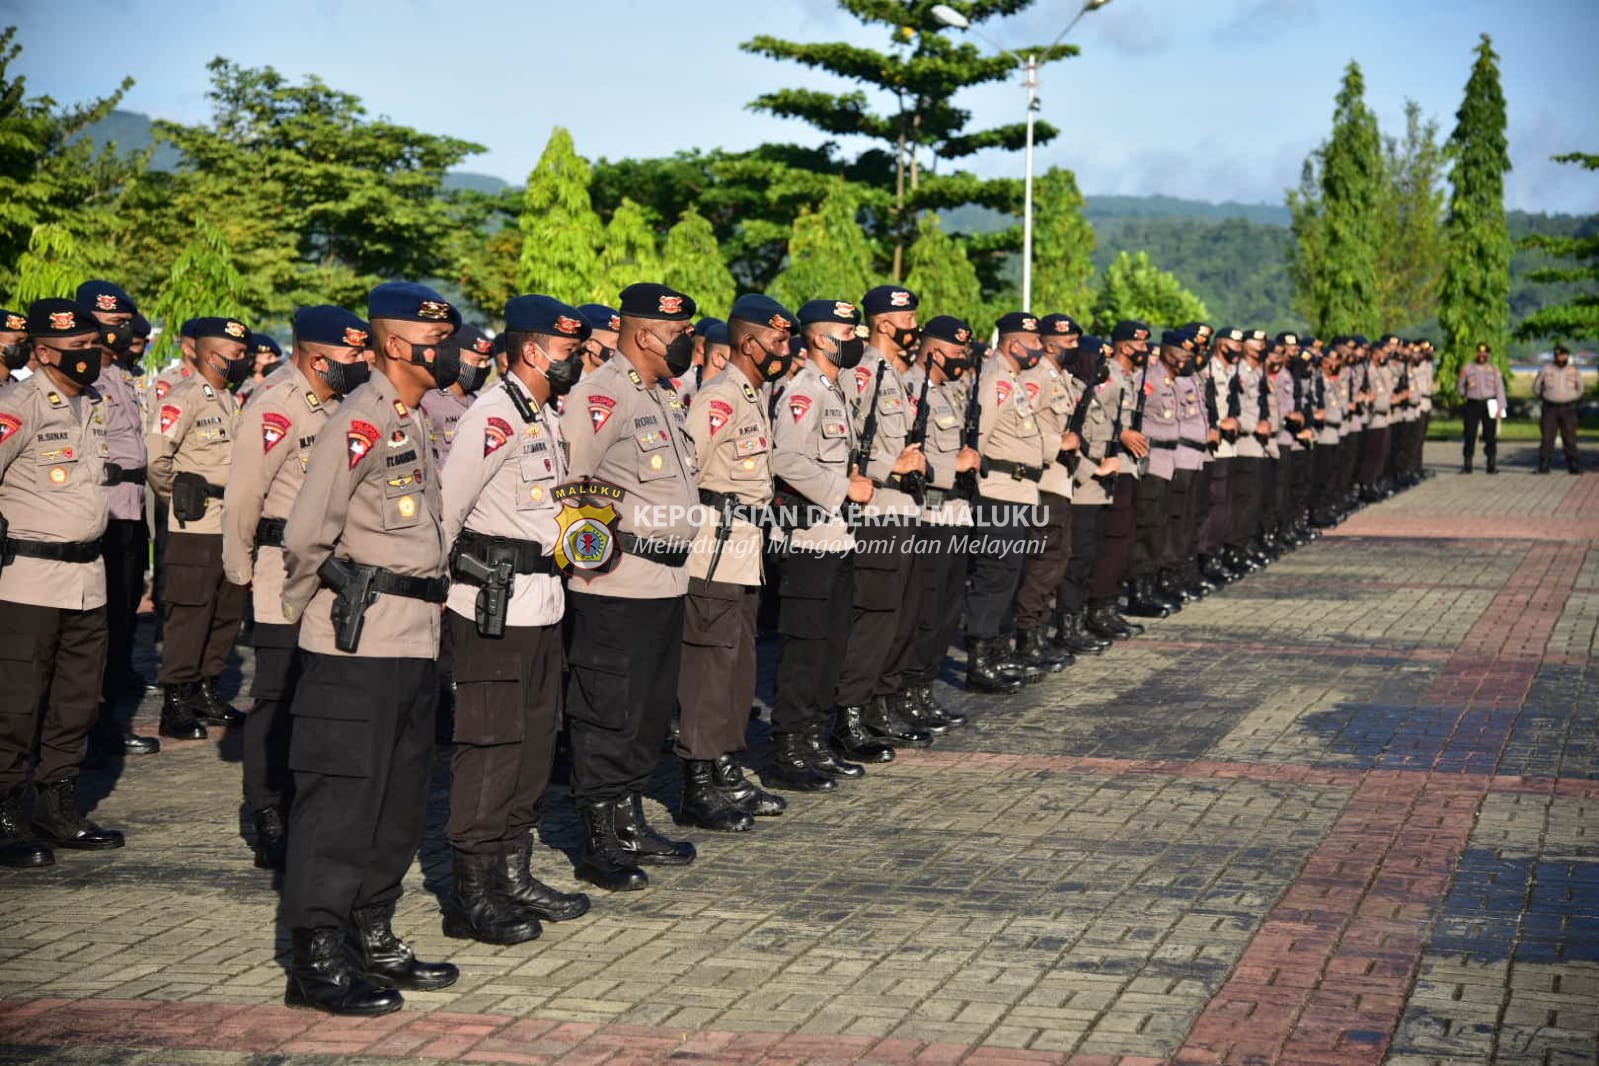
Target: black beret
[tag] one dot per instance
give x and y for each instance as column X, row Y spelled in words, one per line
column 471, row 339
column 1198, row 328
column 645, row 299
column 139, row 325
column 499, row 343
column 105, row 297
column 1560, row 349
column 264, row 343
column 1017, row 322
column 1092, row 345
column 1176, row 338
column 326, row 324
column 229, row 329
column 1255, row 335
column 1287, row 338
column 13, row 321
column 948, row 328
column 705, row 322
column 840, row 311
column 762, row 311
column 599, row 316
column 187, row 329
column 715, row 333
column 547, row 315
column 1129, row 329
column 1230, row 333
column 889, row 298
column 980, row 349
column 1058, row 325
column 1388, row 338
column 1361, row 341
column 409, row 302
column 58, row 317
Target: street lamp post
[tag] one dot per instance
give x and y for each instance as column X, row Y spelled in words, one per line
column 955, row 20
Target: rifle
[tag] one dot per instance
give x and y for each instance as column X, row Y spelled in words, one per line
column 1263, row 400
column 1403, row 384
column 863, row 447
column 971, row 434
column 914, row 484
column 1235, row 404
column 1075, row 426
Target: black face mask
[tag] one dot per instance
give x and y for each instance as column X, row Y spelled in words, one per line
column 680, row 354
column 563, row 374
column 1029, row 358
column 773, row 365
column 907, row 338
column 236, row 370
column 345, row 378
column 847, row 353
column 472, row 377
column 81, row 366
column 15, row 355
column 954, row 368
column 446, row 364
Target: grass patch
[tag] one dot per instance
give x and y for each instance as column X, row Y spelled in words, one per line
column 1512, row 429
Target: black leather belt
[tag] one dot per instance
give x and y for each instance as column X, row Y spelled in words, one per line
column 1164, row 445
column 530, row 557
column 116, row 475
column 1197, row 445
column 214, row 491
column 653, row 550
column 86, row 551
column 430, row 589
column 269, row 532
column 1017, row 471
column 754, row 515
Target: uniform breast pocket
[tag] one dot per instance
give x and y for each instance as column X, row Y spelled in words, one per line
column 833, row 444
column 58, row 466
column 535, row 474
column 402, row 502
column 654, row 456
column 749, row 459
column 946, row 441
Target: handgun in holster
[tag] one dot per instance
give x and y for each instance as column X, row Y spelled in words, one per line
column 354, row 590
column 188, row 498
column 495, row 574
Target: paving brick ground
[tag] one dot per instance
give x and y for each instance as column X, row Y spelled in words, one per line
column 1345, row 812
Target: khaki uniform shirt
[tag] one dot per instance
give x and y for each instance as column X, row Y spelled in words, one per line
column 1096, row 434
column 733, row 448
column 124, row 421
column 946, row 418
column 623, row 432
column 52, row 460
column 893, row 427
column 1009, row 431
column 443, row 410
column 371, row 495
column 1193, row 422
column 1422, row 377
column 1558, row 384
column 1223, row 375
column 271, row 452
column 1052, row 400
column 193, row 434
column 504, row 489
column 1282, row 387
column 1482, row 382
column 813, row 441
column 158, row 387
column 1250, row 409
column 1382, row 389
column 1121, row 396
column 1335, row 408
column 1161, row 414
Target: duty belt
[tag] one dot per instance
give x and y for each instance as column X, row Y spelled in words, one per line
column 430, row 589
column 654, row 551
column 1196, row 445
column 935, row 498
column 754, row 515
column 789, row 502
column 116, row 475
column 530, row 557
column 1164, row 445
column 86, row 551
column 269, row 532
column 1017, row 471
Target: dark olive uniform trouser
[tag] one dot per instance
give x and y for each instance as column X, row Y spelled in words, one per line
column 1248, row 483
column 716, row 684
column 126, row 547
column 1217, row 523
column 1003, row 531
column 361, row 752
column 1088, row 543
column 882, row 639
column 50, row 659
column 1374, row 455
column 1182, row 504
column 814, row 593
column 1474, row 416
column 203, row 610
column 1558, row 418
column 267, row 780
column 507, row 711
column 1154, row 495
column 941, row 565
column 1043, row 570
column 1120, row 527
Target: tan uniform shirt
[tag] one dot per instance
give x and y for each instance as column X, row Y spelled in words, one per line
column 1223, row 375
column 893, row 426
column 159, row 387
column 635, row 436
column 1482, row 381
column 192, row 434
column 733, row 448
column 1335, row 407
column 1422, row 377
column 946, row 421
column 270, row 455
column 1008, row 431
column 52, row 460
column 1558, row 384
column 371, row 495
column 124, row 419
column 1097, row 426
column 1251, row 411
column 1052, row 399
column 503, row 488
column 813, row 441
column 443, row 410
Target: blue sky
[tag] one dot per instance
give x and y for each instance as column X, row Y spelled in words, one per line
column 1210, row 99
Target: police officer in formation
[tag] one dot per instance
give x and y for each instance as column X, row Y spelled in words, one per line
column 1558, row 387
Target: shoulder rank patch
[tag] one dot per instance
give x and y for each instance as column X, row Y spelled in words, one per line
column 9, row 424
column 360, row 439
column 1003, row 389
column 633, row 376
column 600, row 408
column 721, row 411
column 1149, row 388
column 170, row 413
column 798, row 405
column 55, row 399
column 274, row 427
column 311, row 401
column 497, row 434
column 400, row 409
column 210, row 393
column 749, row 392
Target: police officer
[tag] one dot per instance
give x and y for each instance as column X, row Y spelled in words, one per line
column 364, row 559
column 1179, row 565
column 1120, row 394
column 1480, row 382
column 52, row 584
column 266, row 361
column 1062, row 341
column 127, row 535
column 702, row 334
column 189, row 445
column 15, row 351
column 733, row 448
column 267, row 469
column 444, row 407
column 505, row 608
column 1158, row 396
column 1092, row 483
column 1557, row 388
column 605, row 327
column 814, row 482
column 1213, row 365
column 625, row 428
column 1254, row 429
column 1378, row 381
column 1325, row 460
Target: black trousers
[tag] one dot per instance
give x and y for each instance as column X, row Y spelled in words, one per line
column 1349, row 450
column 1217, row 523
column 716, row 684
column 1558, row 418
column 202, row 608
column 1003, row 530
column 813, row 624
column 127, row 556
column 625, row 657
column 1325, row 462
column 1475, row 418
column 1182, row 497
column 1302, row 462
column 1249, row 481
column 1153, row 496
column 1374, row 455
column 507, row 711
column 1043, row 570
column 268, row 726
column 882, row 636
column 940, row 570
column 51, row 660
column 361, row 752
column 1088, row 542
column 1116, row 551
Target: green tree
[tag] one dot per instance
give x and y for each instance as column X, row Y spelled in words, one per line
column 627, row 254
column 53, row 265
column 1578, row 317
column 1344, row 291
column 692, row 263
column 1474, row 296
column 942, row 278
column 560, row 231
column 1134, row 287
column 203, row 282
column 1306, row 255
column 921, row 73
column 1063, row 247
column 1411, row 246
column 486, row 248
column 829, row 257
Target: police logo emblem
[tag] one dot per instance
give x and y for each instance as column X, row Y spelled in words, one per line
column 586, row 541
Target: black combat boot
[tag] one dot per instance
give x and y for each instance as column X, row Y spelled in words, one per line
column 1169, row 587
column 745, row 794
column 18, row 849
column 213, row 709
column 884, row 720
column 604, row 862
column 271, row 838
column 1035, row 649
column 323, row 977
column 1543, row 466
column 385, row 959
column 929, row 709
column 793, row 766
column 1493, row 462
column 917, row 716
column 1143, row 603
column 1071, row 634
column 479, row 907
column 178, row 717
column 1103, row 621
column 532, row 895
column 1465, row 467
column 640, row 840
column 706, row 805
column 821, row 757
column 1213, row 570
column 851, row 740
column 1573, row 466
column 57, row 820
column 983, row 673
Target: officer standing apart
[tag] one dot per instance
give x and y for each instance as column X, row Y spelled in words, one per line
column 364, row 555
column 190, row 445
column 1480, row 382
column 1558, row 387
column 268, row 464
column 625, row 427
column 733, row 448
column 52, row 584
